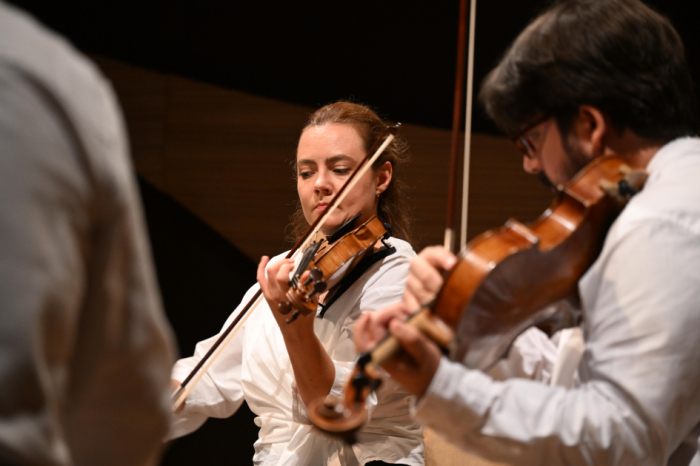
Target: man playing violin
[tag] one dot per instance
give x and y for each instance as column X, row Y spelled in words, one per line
column 586, row 79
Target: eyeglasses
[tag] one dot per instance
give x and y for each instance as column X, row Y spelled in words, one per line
column 522, row 139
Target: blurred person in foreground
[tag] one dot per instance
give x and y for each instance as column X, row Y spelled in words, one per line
column 85, row 351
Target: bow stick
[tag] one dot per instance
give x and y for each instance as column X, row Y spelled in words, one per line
column 456, row 117
column 203, row 365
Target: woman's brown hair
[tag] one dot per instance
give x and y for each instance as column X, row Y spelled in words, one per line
column 391, row 206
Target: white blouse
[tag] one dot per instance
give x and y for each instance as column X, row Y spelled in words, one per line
column 255, row 367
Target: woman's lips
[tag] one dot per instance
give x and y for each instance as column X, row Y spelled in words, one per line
column 321, row 206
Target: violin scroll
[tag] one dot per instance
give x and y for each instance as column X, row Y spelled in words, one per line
column 344, row 417
column 302, row 295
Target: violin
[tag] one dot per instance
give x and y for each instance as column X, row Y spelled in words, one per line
column 329, row 259
column 502, row 284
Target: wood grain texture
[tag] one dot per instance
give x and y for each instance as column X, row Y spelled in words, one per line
column 226, row 156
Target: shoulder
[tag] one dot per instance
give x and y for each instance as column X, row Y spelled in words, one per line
column 671, row 194
column 394, row 265
column 391, row 271
column 652, row 250
column 68, row 88
column 404, row 251
column 48, row 59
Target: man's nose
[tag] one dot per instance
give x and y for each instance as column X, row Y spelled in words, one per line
column 532, row 165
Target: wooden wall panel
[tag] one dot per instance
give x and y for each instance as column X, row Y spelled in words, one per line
column 143, row 97
column 226, row 156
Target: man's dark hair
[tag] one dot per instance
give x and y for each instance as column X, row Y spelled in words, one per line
column 619, row 56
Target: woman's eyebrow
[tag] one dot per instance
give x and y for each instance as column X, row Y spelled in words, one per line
column 339, row 158
column 306, row 162
column 329, row 160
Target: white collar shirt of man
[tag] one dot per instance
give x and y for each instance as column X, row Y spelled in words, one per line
column 637, row 401
column 255, row 366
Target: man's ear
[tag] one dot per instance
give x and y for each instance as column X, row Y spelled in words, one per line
column 590, row 127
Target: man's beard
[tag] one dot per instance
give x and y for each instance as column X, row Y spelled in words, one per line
column 542, row 177
column 576, row 161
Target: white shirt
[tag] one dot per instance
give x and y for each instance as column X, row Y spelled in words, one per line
column 638, row 402
column 85, row 350
column 255, row 366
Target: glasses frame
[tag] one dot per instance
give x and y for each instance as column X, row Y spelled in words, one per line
column 523, row 142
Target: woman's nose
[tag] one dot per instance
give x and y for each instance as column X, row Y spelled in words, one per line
column 322, row 183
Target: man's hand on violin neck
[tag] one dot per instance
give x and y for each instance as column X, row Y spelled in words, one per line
column 416, row 367
column 372, row 326
column 425, row 280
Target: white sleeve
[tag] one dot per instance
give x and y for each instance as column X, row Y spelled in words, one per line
column 390, row 434
column 640, row 372
column 383, row 287
column 218, row 393
column 535, row 356
column 532, row 356
column 376, row 297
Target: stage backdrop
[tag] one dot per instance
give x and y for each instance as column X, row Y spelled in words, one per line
column 215, row 168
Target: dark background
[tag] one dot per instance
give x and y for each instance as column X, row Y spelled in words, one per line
column 398, row 55
column 200, row 273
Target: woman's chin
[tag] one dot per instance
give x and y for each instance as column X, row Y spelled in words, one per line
column 329, row 229
column 333, row 223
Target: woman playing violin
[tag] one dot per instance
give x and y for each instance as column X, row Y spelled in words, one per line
column 588, row 79
column 277, row 367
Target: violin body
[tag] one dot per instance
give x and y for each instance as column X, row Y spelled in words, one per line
column 330, row 260
column 505, row 278
column 502, row 283
column 350, row 248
